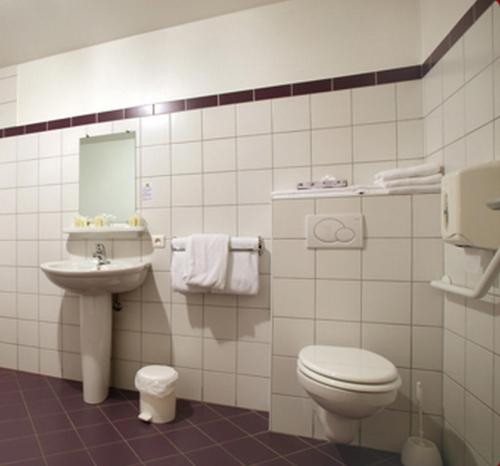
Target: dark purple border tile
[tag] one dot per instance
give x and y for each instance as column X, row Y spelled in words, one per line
column 84, row 119
column 407, row 73
column 59, row 124
column 480, row 6
column 170, row 107
column 202, row 102
column 14, row 131
column 112, row 115
column 139, row 111
column 35, row 128
column 353, row 81
column 463, row 24
column 273, row 92
column 312, row 87
column 236, row 97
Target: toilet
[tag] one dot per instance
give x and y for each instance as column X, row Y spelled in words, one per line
column 347, row 384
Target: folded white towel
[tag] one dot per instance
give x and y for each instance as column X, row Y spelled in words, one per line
column 178, row 272
column 242, row 274
column 415, row 181
column 424, row 169
column 206, row 261
column 416, row 189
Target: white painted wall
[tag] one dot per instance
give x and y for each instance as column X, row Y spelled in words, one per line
column 8, row 96
column 290, row 41
column 437, row 19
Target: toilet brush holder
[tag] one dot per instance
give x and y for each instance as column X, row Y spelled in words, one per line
column 420, row 452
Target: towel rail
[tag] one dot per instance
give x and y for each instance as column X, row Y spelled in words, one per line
column 232, row 247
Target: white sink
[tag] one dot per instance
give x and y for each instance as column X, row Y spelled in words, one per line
column 86, row 277
column 95, row 284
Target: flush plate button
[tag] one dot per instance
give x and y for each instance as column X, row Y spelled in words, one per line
column 334, row 231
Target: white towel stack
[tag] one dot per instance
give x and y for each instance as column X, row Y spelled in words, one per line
column 424, row 178
column 215, row 264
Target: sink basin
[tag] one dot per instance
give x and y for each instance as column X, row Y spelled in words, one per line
column 86, row 277
column 95, row 285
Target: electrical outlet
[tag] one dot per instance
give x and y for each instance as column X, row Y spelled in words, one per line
column 158, row 241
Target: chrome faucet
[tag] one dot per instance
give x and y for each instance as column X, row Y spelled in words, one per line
column 100, row 255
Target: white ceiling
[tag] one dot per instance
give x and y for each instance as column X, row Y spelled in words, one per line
column 31, row 29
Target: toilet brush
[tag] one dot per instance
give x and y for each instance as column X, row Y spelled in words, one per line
column 419, row 451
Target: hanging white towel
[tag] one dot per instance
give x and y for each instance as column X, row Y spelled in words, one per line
column 206, row 261
column 178, row 272
column 242, row 274
column 425, row 169
column 415, row 181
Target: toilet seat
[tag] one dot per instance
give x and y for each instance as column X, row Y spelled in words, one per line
column 348, row 368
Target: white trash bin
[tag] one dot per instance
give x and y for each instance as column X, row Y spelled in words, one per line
column 156, row 385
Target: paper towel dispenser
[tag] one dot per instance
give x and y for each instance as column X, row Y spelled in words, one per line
column 470, row 217
column 467, row 216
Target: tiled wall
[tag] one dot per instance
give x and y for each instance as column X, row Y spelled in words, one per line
column 211, row 170
column 378, row 298
column 8, row 96
column 462, row 128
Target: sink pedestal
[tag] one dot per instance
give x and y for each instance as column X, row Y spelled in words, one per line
column 96, row 317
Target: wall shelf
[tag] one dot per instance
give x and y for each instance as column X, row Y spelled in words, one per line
column 117, row 229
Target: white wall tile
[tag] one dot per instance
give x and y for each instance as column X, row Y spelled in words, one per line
column 478, row 45
column 293, row 298
column 479, row 373
column 186, row 190
column 387, row 302
column 219, row 188
column 478, row 426
column 387, row 259
column 331, row 109
column 219, row 155
column 338, row 300
column 479, row 100
column 186, row 158
column 186, row 126
column 291, row 335
column 292, row 149
column 374, row 142
column 453, row 68
column 331, row 146
column 219, row 122
column 253, row 118
column 253, row 392
column 387, row 216
column 373, row 104
column 427, row 348
column 332, row 332
column 391, row 341
column 291, row 113
column 410, row 139
column 254, row 186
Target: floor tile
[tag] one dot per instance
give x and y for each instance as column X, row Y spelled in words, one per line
column 8, row 413
column 99, row 434
column 212, row 456
column 74, row 458
column 199, row 414
column 351, row 455
column 251, row 423
column 119, row 411
column 75, row 403
column 132, row 428
column 19, row 449
column 188, row 439
column 15, row 428
column 31, row 381
column 87, row 417
column 176, row 460
column 45, row 407
column 11, row 398
column 281, row 443
column 115, row 454
column 59, row 442
column 228, row 411
column 249, row 450
column 51, row 423
column 222, row 431
column 65, row 388
column 156, row 446
column 312, row 457
column 34, row 396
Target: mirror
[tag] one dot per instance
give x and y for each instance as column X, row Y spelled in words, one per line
column 107, row 175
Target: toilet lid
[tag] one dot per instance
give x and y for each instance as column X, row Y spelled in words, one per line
column 353, row 365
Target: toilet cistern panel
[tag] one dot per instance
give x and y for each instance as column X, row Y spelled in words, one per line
column 335, row 231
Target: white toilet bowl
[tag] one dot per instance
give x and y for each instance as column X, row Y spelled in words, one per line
column 346, row 384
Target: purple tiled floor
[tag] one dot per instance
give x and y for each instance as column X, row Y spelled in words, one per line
column 44, row 422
